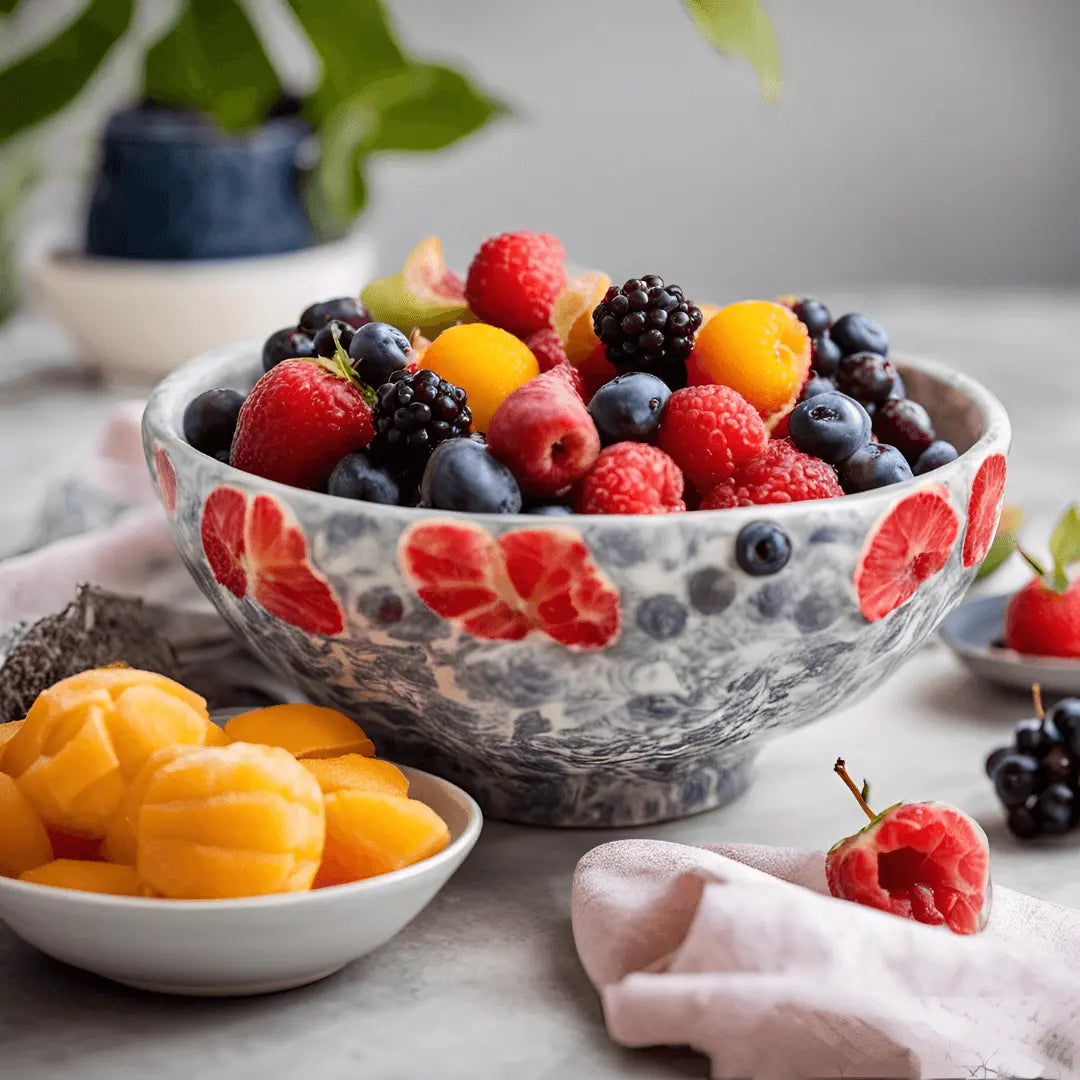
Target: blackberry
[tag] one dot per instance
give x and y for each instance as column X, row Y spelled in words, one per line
column 648, row 326
column 414, row 412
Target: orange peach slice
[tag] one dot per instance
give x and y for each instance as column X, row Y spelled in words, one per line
column 369, row 833
column 239, row 820
column 7, row 733
column 24, row 843
column 96, row 877
column 306, row 731
column 571, row 314
column 357, row 771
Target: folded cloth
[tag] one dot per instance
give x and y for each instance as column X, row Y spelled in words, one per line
column 740, row 952
column 106, row 528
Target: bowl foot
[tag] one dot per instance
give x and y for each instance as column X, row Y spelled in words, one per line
column 243, row 989
column 600, row 798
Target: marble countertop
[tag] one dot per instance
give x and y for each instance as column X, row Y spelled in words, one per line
column 486, row 983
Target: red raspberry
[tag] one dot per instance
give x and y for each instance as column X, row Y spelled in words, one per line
column 632, row 478
column 570, row 375
column 547, row 348
column 781, row 474
column 298, row 422
column 514, row 279
column 710, row 431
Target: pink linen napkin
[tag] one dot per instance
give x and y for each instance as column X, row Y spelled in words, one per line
column 740, row 952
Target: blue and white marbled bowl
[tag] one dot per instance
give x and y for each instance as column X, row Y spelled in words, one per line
column 697, row 661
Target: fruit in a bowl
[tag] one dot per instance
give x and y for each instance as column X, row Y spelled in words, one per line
column 924, row 861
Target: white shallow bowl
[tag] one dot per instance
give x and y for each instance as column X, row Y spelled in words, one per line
column 139, row 319
column 228, row 948
column 973, row 629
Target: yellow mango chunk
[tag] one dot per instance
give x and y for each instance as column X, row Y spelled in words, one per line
column 238, row 820
column 24, row 844
column 86, row 738
column 357, row 771
column 97, row 877
column 306, row 731
column 369, row 833
column 119, row 843
column 7, row 733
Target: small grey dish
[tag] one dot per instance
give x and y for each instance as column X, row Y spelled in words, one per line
column 973, row 632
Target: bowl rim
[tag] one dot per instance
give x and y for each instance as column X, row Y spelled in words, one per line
column 357, row 890
column 162, row 422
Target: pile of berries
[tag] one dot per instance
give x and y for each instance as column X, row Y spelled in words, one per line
column 1037, row 777
column 520, row 389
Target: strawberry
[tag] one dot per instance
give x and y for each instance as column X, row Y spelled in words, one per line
column 923, row 861
column 1043, row 618
column 301, row 419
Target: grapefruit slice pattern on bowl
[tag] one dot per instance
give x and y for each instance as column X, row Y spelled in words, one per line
column 529, row 579
column 910, row 543
column 166, row 478
column 984, row 508
column 254, row 545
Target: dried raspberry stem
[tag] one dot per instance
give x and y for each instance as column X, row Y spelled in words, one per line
column 1036, row 696
column 840, row 768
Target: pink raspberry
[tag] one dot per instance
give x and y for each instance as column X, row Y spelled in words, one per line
column 781, row 474
column 632, row 478
column 710, row 431
column 547, row 348
column 513, row 281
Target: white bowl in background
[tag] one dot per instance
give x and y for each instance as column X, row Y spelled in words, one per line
column 138, row 319
column 228, row 948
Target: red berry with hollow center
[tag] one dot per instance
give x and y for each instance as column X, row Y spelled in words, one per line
column 544, row 434
column 927, row 861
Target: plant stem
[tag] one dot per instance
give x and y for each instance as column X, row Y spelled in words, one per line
column 1036, row 696
column 840, row 768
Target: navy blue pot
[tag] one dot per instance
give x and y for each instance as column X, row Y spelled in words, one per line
column 172, row 185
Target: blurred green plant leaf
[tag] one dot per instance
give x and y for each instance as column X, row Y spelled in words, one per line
column 18, row 173
column 1065, row 547
column 43, row 81
column 742, row 28
column 8, row 6
column 1012, row 517
column 355, row 44
column 421, row 107
column 211, row 59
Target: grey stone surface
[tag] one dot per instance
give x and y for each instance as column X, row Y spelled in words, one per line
column 486, row 984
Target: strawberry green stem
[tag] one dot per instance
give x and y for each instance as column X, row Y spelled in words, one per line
column 1031, row 561
column 840, row 768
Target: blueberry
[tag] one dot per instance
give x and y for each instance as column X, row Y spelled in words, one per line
column 872, row 466
column 761, row 548
column 628, row 408
column 288, row 344
column 859, row 333
column 938, row 453
column 378, row 350
column 711, row 591
column 816, row 384
column 210, row 420
column 324, row 339
column 995, row 758
column 898, row 388
column 1015, row 778
column 661, row 617
column 346, row 308
column 1065, row 716
column 1036, row 736
column 905, row 424
column 551, row 510
column 1023, row 823
column 462, row 475
column 813, row 314
column 831, row 426
column 866, row 376
column 825, row 354
column 354, row 477
column 1055, row 809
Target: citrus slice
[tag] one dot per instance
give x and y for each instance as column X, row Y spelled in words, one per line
column 571, row 314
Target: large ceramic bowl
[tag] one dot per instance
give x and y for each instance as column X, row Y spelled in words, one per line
column 586, row 671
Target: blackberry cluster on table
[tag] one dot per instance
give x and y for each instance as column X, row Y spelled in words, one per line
column 1037, row 777
column 851, row 355
column 646, row 325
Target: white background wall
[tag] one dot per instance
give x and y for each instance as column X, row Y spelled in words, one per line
column 918, row 142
